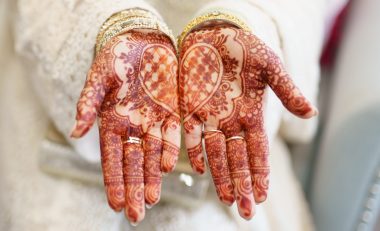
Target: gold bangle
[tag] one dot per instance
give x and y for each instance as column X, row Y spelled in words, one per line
column 126, row 20
column 215, row 16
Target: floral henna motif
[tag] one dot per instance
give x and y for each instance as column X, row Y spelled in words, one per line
column 215, row 143
column 224, row 73
column 241, row 176
column 112, row 164
column 132, row 88
column 197, row 160
column 153, row 147
column 257, row 145
column 134, row 182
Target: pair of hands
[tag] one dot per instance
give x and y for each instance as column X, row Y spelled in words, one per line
column 138, row 89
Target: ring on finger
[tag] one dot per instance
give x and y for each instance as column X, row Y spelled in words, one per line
column 234, row 138
column 133, row 140
column 210, row 131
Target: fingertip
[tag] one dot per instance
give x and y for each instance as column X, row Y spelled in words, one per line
column 311, row 113
column 133, row 216
column 79, row 129
column 196, row 158
column 199, row 168
column 115, row 198
column 149, row 206
column 229, row 201
column 168, row 165
column 152, row 194
column 166, row 169
column 225, row 192
column 116, row 208
column 259, row 197
column 316, row 111
column 169, row 159
column 246, row 206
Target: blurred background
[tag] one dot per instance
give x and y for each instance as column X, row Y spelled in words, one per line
column 338, row 170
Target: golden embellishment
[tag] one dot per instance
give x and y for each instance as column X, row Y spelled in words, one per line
column 235, row 138
column 214, row 16
column 130, row 19
column 133, row 140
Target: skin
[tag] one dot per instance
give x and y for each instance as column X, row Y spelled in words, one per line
column 132, row 89
column 224, row 74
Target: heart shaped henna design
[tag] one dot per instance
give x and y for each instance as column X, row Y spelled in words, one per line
column 223, row 76
column 132, row 88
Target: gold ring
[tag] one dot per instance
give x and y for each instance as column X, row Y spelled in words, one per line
column 235, row 138
column 133, row 140
column 212, row 130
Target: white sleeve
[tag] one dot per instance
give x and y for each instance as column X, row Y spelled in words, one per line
column 57, row 40
column 294, row 30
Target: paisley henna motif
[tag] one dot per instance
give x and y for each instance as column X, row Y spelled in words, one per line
column 223, row 76
column 132, row 88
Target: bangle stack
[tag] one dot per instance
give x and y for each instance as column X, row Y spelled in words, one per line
column 130, row 19
column 215, row 16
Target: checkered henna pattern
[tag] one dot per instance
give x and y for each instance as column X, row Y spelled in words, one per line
column 224, row 74
column 132, row 88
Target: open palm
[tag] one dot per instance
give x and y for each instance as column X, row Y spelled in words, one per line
column 132, row 87
column 224, row 72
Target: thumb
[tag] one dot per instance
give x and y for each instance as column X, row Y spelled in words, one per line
column 89, row 103
column 285, row 89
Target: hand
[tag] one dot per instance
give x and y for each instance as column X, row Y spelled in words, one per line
column 132, row 87
column 223, row 76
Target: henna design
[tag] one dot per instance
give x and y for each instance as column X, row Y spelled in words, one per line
column 134, row 182
column 169, row 156
column 257, row 145
column 112, row 159
column 196, row 158
column 215, row 143
column 152, row 159
column 241, row 177
column 132, row 87
column 223, row 76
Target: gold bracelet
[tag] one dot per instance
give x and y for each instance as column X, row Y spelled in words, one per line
column 126, row 20
column 214, row 16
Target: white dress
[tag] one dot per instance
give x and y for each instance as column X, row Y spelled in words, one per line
column 54, row 42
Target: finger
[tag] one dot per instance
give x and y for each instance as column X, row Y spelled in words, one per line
column 89, row 102
column 285, row 89
column 258, row 152
column 152, row 145
column 171, row 135
column 112, row 164
column 193, row 142
column 134, row 182
column 241, row 176
column 215, row 144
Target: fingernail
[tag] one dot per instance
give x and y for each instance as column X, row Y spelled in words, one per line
column 316, row 112
column 149, row 206
column 164, row 173
column 73, row 133
column 79, row 129
column 134, row 224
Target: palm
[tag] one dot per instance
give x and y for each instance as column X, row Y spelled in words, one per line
column 132, row 86
column 224, row 72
